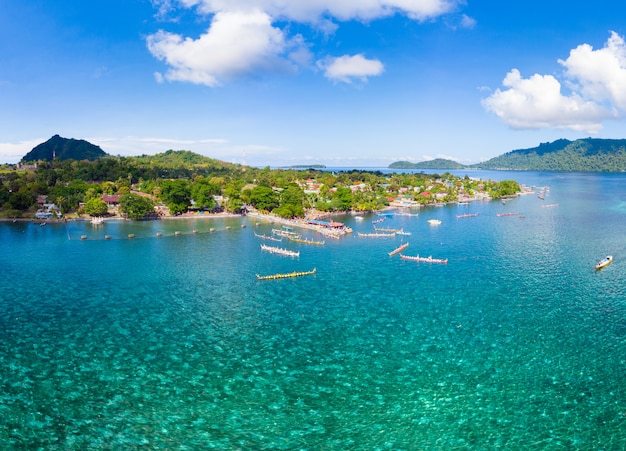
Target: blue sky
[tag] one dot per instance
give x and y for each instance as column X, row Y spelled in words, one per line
column 334, row 82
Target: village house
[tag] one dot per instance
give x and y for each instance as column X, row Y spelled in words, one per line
column 112, row 200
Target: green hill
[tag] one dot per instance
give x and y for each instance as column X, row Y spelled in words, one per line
column 180, row 159
column 582, row 155
column 64, row 149
column 437, row 163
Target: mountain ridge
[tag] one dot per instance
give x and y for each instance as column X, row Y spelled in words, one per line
column 581, row 155
column 64, row 149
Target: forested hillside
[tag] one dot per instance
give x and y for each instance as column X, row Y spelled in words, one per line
column 582, row 155
column 64, row 149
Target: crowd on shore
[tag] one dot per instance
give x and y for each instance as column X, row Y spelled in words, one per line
column 329, row 229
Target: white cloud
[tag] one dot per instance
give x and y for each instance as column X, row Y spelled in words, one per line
column 14, row 152
column 235, row 44
column 537, row 102
column 601, row 74
column 243, row 37
column 310, row 11
column 218, row 148
column 150, row 145
column 467, row 22
column 596, row 80
column 345, row 68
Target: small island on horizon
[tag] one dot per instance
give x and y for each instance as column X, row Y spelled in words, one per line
column 306, row 166
column 437, row 163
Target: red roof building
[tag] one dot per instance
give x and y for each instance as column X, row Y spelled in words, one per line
column 111, row 199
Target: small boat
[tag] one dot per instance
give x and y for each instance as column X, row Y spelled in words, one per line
column 606, row 261
column 287, row 275
column 280, row 251
column 286, row 233
column 398, row 249
column 429, row 259
column 267, row 237
column 467, row 215
column 434, row 222
column 376, row 235
column 387, row 230
column 513, row 213
column 307, row 241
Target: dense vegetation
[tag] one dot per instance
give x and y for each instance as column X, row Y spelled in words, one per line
column 583, row 155
column 64, row 149
column 183, row 181
column 593, row 155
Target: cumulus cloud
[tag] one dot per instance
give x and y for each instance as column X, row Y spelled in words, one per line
column 235, row 44
column 346, row 68
column 600, row 74
column 537, row 102
column 309, row 11
column 595, row 82
column 14, row 152
column 244, row 36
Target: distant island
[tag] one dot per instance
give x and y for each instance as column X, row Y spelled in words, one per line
column 581, row 155
column 438, row 163
column 306, row 166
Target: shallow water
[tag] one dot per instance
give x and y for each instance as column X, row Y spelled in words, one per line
column 173, row 343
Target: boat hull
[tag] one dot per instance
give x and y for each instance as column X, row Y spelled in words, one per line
column 604, row 262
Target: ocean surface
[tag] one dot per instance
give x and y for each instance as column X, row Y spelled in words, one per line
column 171, row 342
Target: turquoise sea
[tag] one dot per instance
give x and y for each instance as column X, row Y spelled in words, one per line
column 172, row 343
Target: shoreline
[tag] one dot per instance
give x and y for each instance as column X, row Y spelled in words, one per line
column 303, row 224
column 119, row 218
column 300, row 222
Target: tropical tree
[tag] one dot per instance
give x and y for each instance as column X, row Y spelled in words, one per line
column 202, row 192
column 135, row 206
column 233, row 200
column 292, row 201
column 108, row 187
column 96, row 207
column 94, row 192
column 21, row 201
column 176, row 194
column 262, row 197
column 342, row 199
